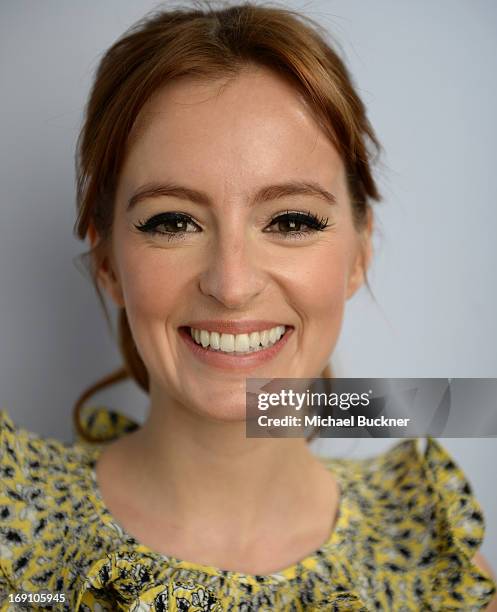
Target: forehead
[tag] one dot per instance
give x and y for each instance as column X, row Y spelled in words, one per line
column 251, row 127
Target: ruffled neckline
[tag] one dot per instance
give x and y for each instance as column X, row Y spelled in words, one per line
column 134, row 574
column 329, row 547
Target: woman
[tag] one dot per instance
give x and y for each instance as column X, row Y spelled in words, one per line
column 224, row 183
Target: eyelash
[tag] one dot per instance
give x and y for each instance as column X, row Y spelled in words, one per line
column 314, row 223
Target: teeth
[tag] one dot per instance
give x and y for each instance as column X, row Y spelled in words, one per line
column 242, row 343
column 254, row 339
column 239, row 343
column 227, row 343
column 204, row 338
column 215, row 340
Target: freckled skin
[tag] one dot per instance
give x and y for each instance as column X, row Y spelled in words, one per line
column 229, row 141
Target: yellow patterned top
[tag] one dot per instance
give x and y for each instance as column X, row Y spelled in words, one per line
column 407, row 530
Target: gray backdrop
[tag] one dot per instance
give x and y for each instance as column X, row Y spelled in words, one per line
column 426, row 72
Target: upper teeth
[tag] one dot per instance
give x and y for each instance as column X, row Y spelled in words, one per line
column 242, row 343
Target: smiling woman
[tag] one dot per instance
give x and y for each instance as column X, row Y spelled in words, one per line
column 252, row 243
column 225, row 186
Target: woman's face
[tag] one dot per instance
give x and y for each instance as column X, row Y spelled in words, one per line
column 225, row 259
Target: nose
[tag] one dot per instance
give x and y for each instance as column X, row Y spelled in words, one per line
column 233, row 274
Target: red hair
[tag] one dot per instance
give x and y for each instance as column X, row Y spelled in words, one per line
column 207, row 44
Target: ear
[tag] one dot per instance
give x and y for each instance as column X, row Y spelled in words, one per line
column 106, row 276
column 362, row 258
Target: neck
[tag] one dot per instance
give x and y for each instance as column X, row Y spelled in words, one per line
column 208, row 476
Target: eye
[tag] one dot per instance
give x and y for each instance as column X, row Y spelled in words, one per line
column 289, row 225
column 176, row 224
column 297, row 224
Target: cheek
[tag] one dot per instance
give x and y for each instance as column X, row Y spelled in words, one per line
column 320, row 285
column 149, row 287
column 319, row 294
column 151, row 293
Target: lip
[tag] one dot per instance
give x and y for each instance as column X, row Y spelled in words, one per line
column 234, row 327
column 229, row 361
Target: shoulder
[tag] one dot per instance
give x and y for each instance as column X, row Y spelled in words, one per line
column 43, row 499
column 414, row 513
column 26, row 456
column 432, row 487
column 412, row 477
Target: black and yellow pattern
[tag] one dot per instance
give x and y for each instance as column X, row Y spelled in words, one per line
column 407, row 531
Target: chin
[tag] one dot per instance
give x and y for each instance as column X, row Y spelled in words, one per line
column 226, row 413
column 215, row 399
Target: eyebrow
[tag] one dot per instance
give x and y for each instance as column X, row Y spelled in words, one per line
column 265, row 194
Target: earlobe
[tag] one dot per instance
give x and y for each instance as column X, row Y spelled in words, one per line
column 356, row 278
column 106, row 277
column 362, row 259
column 109, row 281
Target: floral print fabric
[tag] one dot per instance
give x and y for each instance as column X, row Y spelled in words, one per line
column 407, row 530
